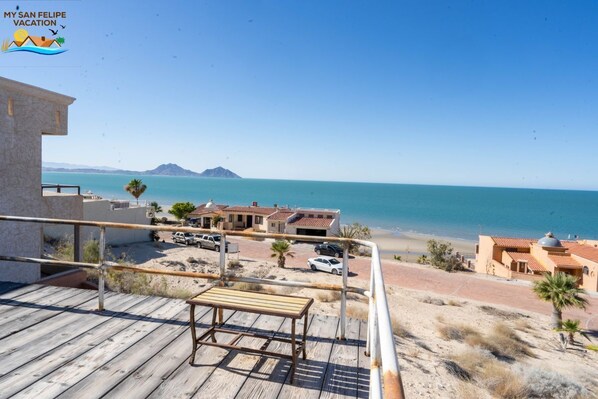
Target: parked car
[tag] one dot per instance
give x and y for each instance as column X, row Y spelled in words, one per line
column 326, row 264
column 209, row 241
column 183, row 238
column 329, row 249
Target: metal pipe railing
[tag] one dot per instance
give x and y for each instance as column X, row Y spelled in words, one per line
column 385, row 377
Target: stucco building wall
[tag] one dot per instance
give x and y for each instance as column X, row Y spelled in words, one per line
column 26, row 113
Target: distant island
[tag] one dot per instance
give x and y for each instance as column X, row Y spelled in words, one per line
column 169, row 169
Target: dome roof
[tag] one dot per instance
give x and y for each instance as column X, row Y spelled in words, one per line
column 210, row 204
column 549, row 241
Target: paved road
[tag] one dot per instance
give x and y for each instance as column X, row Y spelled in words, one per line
column 515, row 294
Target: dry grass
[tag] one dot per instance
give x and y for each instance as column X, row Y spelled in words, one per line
column 502, row 382
column 358, row 311
column 467, row 391
column 433, row 301
column 452, row 302
column 456, row 332
column 522, row 325
column 248, row 286
column 399, row 329
column 328, row 296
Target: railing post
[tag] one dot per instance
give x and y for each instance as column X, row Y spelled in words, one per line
column 102, row 269
column 77, row 243
column 344, row 291
column 222, row 271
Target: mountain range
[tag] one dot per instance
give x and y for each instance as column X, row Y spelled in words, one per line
column 169, row 169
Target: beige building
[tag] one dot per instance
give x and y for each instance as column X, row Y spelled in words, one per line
column 529, row 259
column 302, row 221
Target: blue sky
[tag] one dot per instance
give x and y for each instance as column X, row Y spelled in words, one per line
column 488, row 93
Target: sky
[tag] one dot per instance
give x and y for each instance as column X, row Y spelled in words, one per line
column 479, row 93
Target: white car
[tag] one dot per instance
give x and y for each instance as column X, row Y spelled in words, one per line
column 326, row 264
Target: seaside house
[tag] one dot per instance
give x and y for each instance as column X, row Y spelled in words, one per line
column 303, row 221
column 529, row 259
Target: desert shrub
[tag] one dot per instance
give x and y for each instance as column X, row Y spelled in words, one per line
column 548, row 384
column 465, row 390
column 134, row 283
column 492, row 311
column 507, row 343
column 522, row 325
column 472, row 360
column 452, row 302
column 397, row 257
column 329, row 296
column 433, row 301
column 64, row 250
column 441, row 256
column 399, row 329
column 234, row 264
column 455, row 370
column 422, row 260
column 192, row 260
column 248, row 286
column 91, row 251
column 592, row 347
column 455, row 332
column 358, row 311
column 502, row 382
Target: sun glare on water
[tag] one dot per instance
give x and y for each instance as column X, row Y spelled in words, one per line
column 20, row 35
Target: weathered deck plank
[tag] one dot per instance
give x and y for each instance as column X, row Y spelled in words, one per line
column 269, row 374
column 79, row 368
column 6, row 286
column 363, row 364
column 102, row 380
column 187, row 379
column 228, row 378
column 24, row 329
column 26, row 304
column 310, row 373
column 340, row 380
column 46, row 359
column 143, row 381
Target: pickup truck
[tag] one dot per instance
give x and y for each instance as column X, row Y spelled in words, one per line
column 183, row 238
column 209, row 241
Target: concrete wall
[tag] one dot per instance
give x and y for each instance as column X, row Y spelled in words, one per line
column 101, row 210
column 590, row 280
column 26, row 112
column 61, row 206
column 484, row 256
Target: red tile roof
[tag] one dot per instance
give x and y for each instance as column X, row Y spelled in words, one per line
column 256, row 210
column 281, row 215
column 532, row 262
column 202, row 210
column 583, row 251
column 509, row 242
column 311, row 222
column 564, row 261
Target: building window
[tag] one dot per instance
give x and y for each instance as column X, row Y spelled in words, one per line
column 239, row 218
column 328, row 216
column 230, row 218
column 258, row 220
column 273, row 224
column 11, row 110
column 586, row 270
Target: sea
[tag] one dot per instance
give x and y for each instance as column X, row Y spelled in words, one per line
column 444, row 211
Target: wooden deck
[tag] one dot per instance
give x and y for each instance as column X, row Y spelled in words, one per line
column 54, row 344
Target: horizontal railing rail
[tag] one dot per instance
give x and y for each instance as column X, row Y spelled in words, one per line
column 385, row 377
column 59, row 187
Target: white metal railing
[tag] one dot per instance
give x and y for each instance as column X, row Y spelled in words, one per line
column 385, row 377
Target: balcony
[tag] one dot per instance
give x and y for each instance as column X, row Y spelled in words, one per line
column 69, row 342
column 54, row 342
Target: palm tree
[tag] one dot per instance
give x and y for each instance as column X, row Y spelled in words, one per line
column 280, row 248
column 560, row 289
column 156, row 206
column 354, row 231
column 572, row 327
column 136, row 188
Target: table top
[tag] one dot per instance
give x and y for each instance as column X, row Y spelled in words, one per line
column 256, row 302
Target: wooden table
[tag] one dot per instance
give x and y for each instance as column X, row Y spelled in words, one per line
column 218, row 298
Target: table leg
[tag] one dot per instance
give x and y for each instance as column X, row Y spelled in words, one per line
column 193, row 336
column 293, row 351
column 304, row 334
column 214, row 323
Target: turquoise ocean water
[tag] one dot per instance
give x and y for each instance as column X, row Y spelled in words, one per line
column 461, row 212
